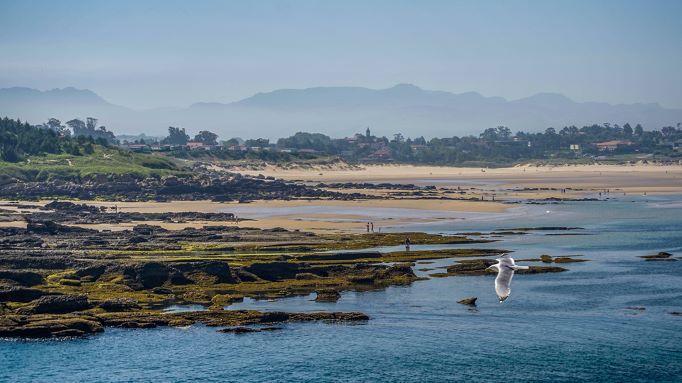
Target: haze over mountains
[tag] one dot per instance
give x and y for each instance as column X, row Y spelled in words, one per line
column 336, row 111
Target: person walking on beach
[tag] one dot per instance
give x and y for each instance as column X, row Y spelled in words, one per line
column 368, row 227
column 372, row 226
column 407, row 244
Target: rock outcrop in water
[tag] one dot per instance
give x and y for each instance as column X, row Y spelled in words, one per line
column 327, row 295
column 73, row 325
column 471, row 301
column 661, row 256
column 478, row 267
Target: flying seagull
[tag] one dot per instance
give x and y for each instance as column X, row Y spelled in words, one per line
column 505, row 268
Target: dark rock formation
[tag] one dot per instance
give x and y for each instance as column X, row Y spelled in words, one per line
column 200, row 185
column 218, row 272
column 58, row 304
column 23, row 278
column 51, row 227
column 548, row 259
column 119, row 304
column 48, row 326
column 661, row 256
column 471, row 301
column 70, row 207
column 94, row 272
column 20, row 294
column 274, row 271
column 472, row 267
column 479, row 266
column 327, row 295
column 34, row 260
column 148, row 275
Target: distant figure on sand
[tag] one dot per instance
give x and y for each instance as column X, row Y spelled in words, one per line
column 368, row 227
column 372, row 226
column 407, row 244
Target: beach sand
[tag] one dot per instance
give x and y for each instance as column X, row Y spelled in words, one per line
column 637, row 178
column 271, row 213
column 521, row 182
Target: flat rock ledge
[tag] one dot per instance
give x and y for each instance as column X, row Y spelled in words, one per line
column 76, row 325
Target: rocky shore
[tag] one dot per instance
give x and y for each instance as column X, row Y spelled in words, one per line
column 199, row 185
column 84, row 323
column 59, row 280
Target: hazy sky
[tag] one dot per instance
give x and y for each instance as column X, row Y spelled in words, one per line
column 145, row 54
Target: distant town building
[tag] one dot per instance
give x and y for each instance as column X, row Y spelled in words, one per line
column 383, row 153
column 161, row 148
column 197, row 145
column 138, row 148
column 611, row 145
column 575, row 147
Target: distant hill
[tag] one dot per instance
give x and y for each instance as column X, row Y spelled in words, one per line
column 337, row 111
column 37, row 106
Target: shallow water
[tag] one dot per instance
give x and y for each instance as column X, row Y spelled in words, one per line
column 572, row 326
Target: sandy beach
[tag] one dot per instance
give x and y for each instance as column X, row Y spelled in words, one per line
column 311, row 217
column 637, row 178
column 474, row 188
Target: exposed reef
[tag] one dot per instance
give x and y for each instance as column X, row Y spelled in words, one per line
column 79, row 324
column 549, row 259
column 58, row 280
column 478, row 267
column 661, row 256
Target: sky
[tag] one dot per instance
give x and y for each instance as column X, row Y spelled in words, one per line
column 149, row 54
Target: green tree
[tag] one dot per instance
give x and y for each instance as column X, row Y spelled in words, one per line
column 639, row 130
column 627, row 130
column 176, row 136
column 231, row 142
column 208, row 138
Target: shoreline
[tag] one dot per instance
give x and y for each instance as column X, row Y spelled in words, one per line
column 314, row 215
column 459, row 193
column 634, row 178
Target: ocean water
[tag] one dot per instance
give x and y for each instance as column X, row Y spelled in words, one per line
column 578, row 325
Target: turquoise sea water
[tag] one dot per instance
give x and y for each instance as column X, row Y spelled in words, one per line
column 572, row 326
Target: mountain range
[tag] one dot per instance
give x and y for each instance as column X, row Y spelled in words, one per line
column 336, row 111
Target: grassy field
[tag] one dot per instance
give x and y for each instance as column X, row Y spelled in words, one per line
column 103, row 161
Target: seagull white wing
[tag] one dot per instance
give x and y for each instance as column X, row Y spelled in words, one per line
column 503, row 282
